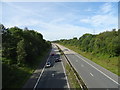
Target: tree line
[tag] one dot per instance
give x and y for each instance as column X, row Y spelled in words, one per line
column 105, row 43
column 21, row 46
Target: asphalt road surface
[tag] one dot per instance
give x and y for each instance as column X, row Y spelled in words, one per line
column 54, row 76
column 93, row 75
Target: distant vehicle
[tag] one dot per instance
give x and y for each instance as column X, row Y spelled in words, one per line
column 52, row 54
column 57, row 60
column 48, row 64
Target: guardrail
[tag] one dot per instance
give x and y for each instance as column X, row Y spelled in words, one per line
column 80, row 81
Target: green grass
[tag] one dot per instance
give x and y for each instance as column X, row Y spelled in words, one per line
column 71, row 77
column 15, row 77
column 110, row 63
column 70, row 74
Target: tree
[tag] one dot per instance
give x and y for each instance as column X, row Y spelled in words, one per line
column 21, row 53
column 25, row 28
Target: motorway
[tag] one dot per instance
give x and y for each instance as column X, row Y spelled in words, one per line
column 93, row 75
column 54, row 76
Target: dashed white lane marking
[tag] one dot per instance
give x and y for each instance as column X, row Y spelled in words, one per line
column 91, row 74
column 97, row 69
column 53, row 75
column 92, row 66
column 76, row 60
column 82, row 65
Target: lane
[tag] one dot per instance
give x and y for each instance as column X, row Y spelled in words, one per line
column 92, row 74
column 54, row 76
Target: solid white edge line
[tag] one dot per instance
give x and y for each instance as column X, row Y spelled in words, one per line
column 95, row 67
column 65, row 75
column 98, row 70
column 73, row 66
column 40, row 74
column 77, row 72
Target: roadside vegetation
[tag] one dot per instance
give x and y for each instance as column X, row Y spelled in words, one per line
column 22, row 51
column 75, row 82
column 71, row 78
column 103, row 48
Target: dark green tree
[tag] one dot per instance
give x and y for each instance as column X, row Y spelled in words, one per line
column 21, row 53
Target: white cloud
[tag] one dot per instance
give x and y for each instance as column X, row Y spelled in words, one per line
column 86, row 20
column 50, row 30
column 88, row 10
column 106, row 8
column 104, row 17
column 57, row 20
column 101, row 20
column 104, row 20
column 21, row 22
column 54, row 32
column 54, row 24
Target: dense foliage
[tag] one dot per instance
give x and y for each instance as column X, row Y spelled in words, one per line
column 21, row 50
column 22, row 46
column 103, row 43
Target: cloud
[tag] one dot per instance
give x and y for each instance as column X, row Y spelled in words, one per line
column 86, row 20
column 58, row 23
column 21, row 22
column 66, row 31
column 51, row 30
column 103, row 18
column 106, row 8
column 88, row 10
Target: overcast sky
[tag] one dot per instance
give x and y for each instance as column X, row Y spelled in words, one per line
column 61, row 20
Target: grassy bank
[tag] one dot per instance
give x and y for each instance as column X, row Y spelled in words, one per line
column 15, row 76
column 73, row 82
column 71, row 78
column 110, row 63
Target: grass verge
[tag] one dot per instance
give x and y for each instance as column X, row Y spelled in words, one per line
column 15, row 77
column 73, row 78
column 110, row 63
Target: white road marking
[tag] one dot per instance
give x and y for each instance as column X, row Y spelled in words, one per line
column 98, row 70
column 91, row 74
column 41, row 74
column 76, row 60
column 65, row 75
column 92, row 66
column 77, row 72
column 82, row 65
column 53, row 75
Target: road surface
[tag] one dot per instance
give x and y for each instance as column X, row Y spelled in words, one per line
column 54, row 76
column 93, row 75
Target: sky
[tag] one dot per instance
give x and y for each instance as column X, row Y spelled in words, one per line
column 61, row 20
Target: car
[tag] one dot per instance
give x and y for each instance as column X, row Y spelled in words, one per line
column 52, row 54
column 57, row 60
column 48, row 64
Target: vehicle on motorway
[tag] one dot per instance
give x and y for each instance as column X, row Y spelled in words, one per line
column 48, row 64
column 57, row 60
column 52, row 54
